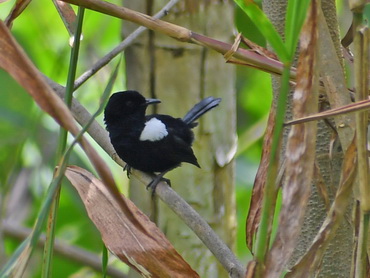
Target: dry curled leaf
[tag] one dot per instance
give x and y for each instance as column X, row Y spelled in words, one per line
column 149, row 253
column 259, row 49
column 18, row 65
column 251, row 267
column 234, row 47
column 15, row 61
column 17, row 9
column 322, row 189
column 299, row 155
column 254, row 213
column 67, row 15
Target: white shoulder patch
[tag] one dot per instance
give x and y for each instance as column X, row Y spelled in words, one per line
column 154, row 130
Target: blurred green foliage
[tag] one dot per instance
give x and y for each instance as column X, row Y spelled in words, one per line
column 29, row 137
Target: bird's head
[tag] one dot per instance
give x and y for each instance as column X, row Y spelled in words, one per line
column 126, row 104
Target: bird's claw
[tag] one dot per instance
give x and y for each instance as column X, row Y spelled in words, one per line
column 153, row 184
column 127, row 168
column 168, row 181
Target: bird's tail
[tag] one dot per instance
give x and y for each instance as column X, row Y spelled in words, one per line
column 199, row 109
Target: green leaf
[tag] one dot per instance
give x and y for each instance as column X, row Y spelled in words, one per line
column 295, row 16
column 105, row 261
column 50, row 232
column 367, row 14
column 269, row 199
column 265, row 27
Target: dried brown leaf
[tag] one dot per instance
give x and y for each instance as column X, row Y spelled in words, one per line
column 17, row 9
column 321, row 187
column 333, row 139
column 299, row 155
column 150, row 254
column 254, row 213
column 259, row 49
column 251, row 267
column 333, row 77
column 18, row 65
column 233, row 48
column 67, row 15
column 313, row 257
column 253, row 48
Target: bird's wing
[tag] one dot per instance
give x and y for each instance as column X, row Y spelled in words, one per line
column 179, row 139
column 184, row 152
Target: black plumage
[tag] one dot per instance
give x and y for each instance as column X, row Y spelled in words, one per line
column 151, row 143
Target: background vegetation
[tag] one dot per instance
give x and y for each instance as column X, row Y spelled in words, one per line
column 29, row 136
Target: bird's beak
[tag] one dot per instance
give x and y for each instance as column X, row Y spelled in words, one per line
column 152, row 101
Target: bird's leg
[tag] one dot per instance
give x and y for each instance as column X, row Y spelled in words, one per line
column 128, row 169
column 158, row 178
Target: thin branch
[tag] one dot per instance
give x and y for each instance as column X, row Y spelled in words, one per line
column 122, row 46
column 361, row 105
column 73, row 253
column 185, row 35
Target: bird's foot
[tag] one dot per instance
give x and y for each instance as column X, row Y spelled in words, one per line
column 153, row 184
column 127, row 168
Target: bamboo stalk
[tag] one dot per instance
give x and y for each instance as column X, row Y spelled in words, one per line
column 185, row 35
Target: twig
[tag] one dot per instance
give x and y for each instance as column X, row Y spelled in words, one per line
column 72, row 253
column 183, row 34
column 361, row 105
column 117, row 50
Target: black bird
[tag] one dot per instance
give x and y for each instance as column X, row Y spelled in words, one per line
column 151, row 143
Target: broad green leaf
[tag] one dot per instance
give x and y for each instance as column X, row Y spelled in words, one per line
column 295, row 16
column 266, row 28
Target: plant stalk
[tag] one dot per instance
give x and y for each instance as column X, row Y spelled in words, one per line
column 50, row 231
column 268, row 209
column 361, row 66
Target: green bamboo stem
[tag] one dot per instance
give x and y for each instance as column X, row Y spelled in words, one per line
column 361, row 65
column 361, row 257
column 268, row 209
column 50, row 231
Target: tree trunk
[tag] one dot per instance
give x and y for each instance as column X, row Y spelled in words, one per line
column 181, row 75
column 337, row 260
